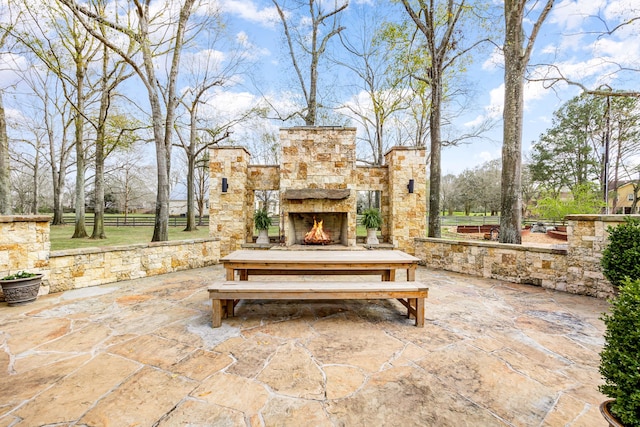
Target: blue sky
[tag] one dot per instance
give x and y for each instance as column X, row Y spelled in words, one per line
column 571, row 38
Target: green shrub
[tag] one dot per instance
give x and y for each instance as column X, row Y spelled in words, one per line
column 371, row 218
column 620, row 358
column 261, row 219
column 621, row 257
column 19, row 275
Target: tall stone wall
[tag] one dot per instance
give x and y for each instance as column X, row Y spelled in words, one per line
column 230, row 212
column 407, row 211
column 319, row 158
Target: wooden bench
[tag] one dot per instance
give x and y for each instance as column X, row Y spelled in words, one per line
column 225, row 295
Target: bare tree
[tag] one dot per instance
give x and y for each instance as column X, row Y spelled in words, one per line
column 5, row 177
column 370, row 59
column 310, row 44
column 163, row 120
column 517, row 52
column 441, row 25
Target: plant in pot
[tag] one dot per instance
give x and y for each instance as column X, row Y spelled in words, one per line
column 262, row 222
column 21, row 288
column 372, row 220
column 619, row 362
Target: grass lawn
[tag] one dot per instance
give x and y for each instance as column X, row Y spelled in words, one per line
column 61, row 236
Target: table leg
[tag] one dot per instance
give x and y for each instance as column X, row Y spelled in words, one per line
column 420, row 312
column 216, row 313
column 411, row 274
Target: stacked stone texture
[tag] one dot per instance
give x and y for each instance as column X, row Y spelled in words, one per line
column 24, row 245
column 230, row 213
column 323, row 158
column 575, row 269
column 407, row 211
column 80, row 268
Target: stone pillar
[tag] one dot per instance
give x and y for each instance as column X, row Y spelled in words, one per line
column 25, row 245
column 407, row 211
column 229, row 212
column 587, row 237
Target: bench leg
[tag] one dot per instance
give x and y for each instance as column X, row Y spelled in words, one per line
column 230, row 306
column 420, row 312
column 216, row 313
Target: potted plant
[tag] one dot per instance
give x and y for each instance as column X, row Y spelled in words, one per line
column 372, row 220
column 21, row 288
column 262, row 222
column 619, row 363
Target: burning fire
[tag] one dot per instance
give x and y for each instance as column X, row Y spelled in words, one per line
column 317, row 235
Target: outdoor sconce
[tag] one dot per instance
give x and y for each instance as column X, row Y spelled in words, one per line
column 225, row 185
column 410, row 186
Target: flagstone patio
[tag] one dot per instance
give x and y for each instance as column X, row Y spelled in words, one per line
column 142, row 352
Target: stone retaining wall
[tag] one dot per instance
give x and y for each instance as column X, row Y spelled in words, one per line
column 25, row 245
column 573, row 267
column 80, row 268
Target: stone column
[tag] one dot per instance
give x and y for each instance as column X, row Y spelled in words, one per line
column 407, row 211
column 587, row 237
column 25, row 245
column 229, row 213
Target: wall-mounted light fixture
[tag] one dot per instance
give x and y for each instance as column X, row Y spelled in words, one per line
column 225, row 185
column 410, row 186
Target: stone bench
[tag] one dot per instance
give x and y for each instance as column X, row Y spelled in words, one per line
column 225, row 295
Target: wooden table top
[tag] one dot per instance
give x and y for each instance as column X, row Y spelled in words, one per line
column 324, row 257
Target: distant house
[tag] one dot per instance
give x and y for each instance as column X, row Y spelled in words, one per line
column 626, row 196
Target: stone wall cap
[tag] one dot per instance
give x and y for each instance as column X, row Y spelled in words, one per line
column 404, row 148
column 231, row 147
column 319, row 128
column 599, row 217
column 25, row 218
column 489, row 244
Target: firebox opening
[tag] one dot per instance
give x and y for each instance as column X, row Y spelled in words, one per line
column 334, row 226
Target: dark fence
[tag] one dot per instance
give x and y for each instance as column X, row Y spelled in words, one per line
column 134, row 221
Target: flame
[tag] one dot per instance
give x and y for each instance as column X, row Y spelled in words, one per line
column 317, row 235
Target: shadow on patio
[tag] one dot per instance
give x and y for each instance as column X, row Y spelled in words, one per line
column 142, row 352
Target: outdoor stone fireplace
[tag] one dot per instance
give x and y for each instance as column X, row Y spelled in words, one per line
column 317, row 178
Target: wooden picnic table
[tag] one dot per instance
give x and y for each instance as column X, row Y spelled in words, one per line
column 319, row 262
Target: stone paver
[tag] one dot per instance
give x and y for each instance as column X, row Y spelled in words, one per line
column 143, row 353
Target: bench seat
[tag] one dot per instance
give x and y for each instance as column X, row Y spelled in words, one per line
column 225, row 295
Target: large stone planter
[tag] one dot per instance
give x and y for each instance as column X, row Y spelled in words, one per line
column 372, row 236
column 21, row 291
column 263, row 237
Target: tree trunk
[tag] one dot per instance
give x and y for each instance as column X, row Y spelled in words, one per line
column 436, row 150
column 5, row 175
column 511, row 198
column 191, row 212
column 80, row 229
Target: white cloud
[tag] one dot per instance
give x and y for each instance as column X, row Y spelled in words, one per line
column 267, row 16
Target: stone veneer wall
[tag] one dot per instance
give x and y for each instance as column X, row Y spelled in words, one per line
column 407, row 212
column 319, row 158
column 80, row 268
column 25, row 245
column 229, row 217
column 575, row 269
